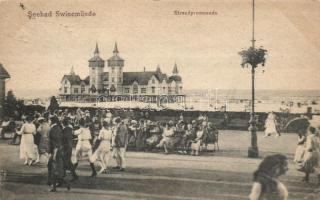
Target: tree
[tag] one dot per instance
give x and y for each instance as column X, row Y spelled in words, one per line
column 54, row 105
column 12, row 106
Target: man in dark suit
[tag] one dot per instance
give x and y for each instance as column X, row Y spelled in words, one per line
column 67, row 142
column 54, row 145
column 120, row 143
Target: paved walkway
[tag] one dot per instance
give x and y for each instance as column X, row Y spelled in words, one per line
column 222, row 175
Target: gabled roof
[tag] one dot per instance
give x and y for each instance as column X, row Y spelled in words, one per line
column 3, row 72
column 73, row 79
column 86, row 80
column 161, row 76
column 141, row 77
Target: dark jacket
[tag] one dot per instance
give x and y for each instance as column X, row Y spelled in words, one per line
column 55, row 138
column 67, row 139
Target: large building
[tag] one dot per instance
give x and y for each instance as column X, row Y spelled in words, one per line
column 3, row 76
column 115, row 81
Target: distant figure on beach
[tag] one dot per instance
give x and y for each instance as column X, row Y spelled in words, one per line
column 271, row 126
column 266, row 185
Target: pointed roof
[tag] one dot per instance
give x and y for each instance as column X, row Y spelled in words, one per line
column 115, row 57
column 115, row 50
column 3, row 72
column 158, row 70
column 73, row 79
column 175, row 69
column 72, row 71
column 96, row 56
column 96, row 51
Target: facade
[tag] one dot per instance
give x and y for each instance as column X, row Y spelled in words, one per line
column 3, row 76
column 112, row 80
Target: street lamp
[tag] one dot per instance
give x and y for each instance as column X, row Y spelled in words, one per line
column 253, row 57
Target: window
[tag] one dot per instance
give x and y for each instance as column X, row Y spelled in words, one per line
column 153, row 81
column 93, row 81
column 120, row 79
column 126, row 90
column 76, row 90
column 83, row 89
column 66, row 82
column 112, row 79
column 135, row 89
column 177, row 89
column 112, row 69
column 153, row 89
column 169, row 89
column 143, row 90
column 65, row 90
column 164, row 88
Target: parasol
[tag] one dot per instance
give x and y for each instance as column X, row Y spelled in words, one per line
column 297, row 125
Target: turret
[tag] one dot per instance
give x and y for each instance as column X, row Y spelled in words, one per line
column 96, row 65
column 115, row 64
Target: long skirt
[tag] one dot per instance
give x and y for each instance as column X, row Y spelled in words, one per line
column 103, row 149
column 298, row 156
column 171, row 142
column 28, row 150
column 56, row 167
column 270, row 128
column 311, row 162
column 196, row 145
column 43, row 145
column 102, row 154
column 153, row 140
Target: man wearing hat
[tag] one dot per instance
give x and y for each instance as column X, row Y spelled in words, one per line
column 120, row 143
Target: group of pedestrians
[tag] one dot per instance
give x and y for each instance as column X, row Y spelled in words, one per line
column 307, row 155
column 56, row 138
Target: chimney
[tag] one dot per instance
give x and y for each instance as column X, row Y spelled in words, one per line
column 144, row 69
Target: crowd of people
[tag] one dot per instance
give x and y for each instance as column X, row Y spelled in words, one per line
column 102, row 135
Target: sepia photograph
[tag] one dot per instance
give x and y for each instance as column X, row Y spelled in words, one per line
column 160, row 99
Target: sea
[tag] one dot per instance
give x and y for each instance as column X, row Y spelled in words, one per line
column 293, row 101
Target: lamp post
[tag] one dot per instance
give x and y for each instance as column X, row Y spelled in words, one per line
column 253, row 151
column 253, row 57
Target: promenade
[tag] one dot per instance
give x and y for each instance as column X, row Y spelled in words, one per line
column 222, row 175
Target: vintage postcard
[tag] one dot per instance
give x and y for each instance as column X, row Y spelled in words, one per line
column 160, row 99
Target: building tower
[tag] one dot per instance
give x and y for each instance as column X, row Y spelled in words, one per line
column 3, row 76
column 115, row 64
column 96, row 65
column 175, row 81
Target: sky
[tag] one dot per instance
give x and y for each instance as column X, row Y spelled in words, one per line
column 38, row 52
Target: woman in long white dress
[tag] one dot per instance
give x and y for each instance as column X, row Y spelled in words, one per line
column 298, row 156
column 311, row 156
column 270, row 126
column 103, row 151
column 28, row 150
